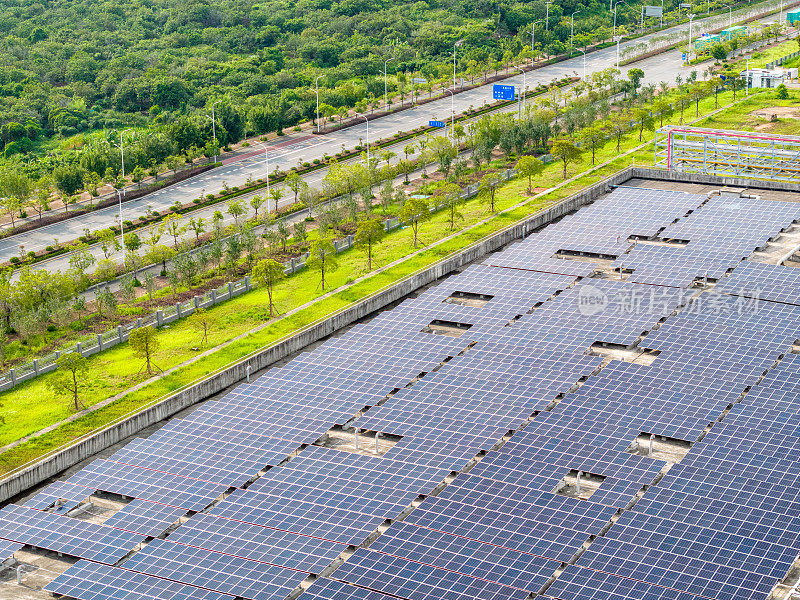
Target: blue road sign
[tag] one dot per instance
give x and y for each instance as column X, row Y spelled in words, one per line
column 502, row 92
column 435, row 123
column 722, row 77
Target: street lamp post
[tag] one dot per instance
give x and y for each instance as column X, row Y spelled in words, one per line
column 584, row 62
column 614, row 29
column 214, row 128
column 618, row 38
column 367, row 121
column 572, row 31
column 122, row 156
column 385, row 85
column 747, row 79
column 453, row 112
column 691, row 17
column 266, row 158
column 730, row 15
column 456, row 45
column 533, row 38
column 121, row 232
column 521, row 92
column 547, row 17
column 316, row 86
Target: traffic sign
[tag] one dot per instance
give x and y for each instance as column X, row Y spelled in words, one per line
column 419, row 80
column 502, row 92
column 435, row 123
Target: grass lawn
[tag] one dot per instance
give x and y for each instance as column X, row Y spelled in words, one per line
column 33, row 406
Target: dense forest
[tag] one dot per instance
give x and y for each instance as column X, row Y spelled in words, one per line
column 76, row 72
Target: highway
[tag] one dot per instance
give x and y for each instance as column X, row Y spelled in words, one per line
column 285, row 152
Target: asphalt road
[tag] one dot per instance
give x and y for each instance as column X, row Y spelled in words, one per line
column 285, row 152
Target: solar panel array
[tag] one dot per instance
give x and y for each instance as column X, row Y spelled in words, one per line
column 484, row 436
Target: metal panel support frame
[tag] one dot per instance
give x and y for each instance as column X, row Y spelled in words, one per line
column 728, row 153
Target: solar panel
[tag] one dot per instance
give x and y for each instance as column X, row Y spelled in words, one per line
column 145, row 518
column 93, row 581
column 58, row 533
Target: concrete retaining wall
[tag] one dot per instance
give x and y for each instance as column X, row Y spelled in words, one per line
column 739, row 182
column 213, row 384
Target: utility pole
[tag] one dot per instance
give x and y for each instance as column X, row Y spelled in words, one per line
column 316, row 85
column 121, row 232
column 385, row 88
column 367, row 121
column 214, row 128
column 691, row 17
column 122, row 158
column 572, row 31
column 533, row 38
column 456, row 45
column 547, row 17
column 266, row 158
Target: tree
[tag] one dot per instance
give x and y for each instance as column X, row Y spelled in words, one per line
column 566, row 152
column 69, row 376
column 201, row 321
column 487, row 190
column 256, row 202
column 635, row 76
column 530, row 167
column 369, row 233
column 108, row 242
column 12, row 206
column 41, row 199
column 144, row 344
column 414, row 212
column 322, row 258
column 106, row 302
column 444, row 151
column 68, row 180
column 449, row 195
column 172, row 225
column 267, row 273
column 294, row 183
column 619, row 124
column 593, row 136
column 173, row 163
column 276, row 193
column 283, row 233
column 644, row 120
column 198, row 227
column 106, row 270
column 236, row 209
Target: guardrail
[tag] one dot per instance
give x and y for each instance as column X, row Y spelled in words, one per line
column 782, row 60
column 179, row 310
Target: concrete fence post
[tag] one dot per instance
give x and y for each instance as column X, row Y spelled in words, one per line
column 36, row 366
column 336, row 246
column 79, row 348
column 119, row 332
column 12, row 373
column 196, row 300
column 293, row 264
column 58, row 354
column 213, row 297
column 159, row 318
column 247, row 284
column 230, row 290
column 139, row 322
column 179, row 309
column 100, row 341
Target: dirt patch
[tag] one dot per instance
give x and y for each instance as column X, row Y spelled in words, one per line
column 785, row 112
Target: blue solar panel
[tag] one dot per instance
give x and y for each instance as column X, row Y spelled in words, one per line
column 93, row 581
column 58, row 533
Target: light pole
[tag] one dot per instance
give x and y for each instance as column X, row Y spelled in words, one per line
column 122, row 158
column 618, row 38
column 572, row 31
column 533, row 38
column 547, row 17
column 521, row 92
column 747, row 79
column 367, row 121
column 584, row 62
column 214, row 128
column 316, row 85
column 614, row 29
column 453, row 112
column 266, row 158
column 121, row 232
column 456, row 45
column 691, row 17
column 730, row 15
column 385, row 88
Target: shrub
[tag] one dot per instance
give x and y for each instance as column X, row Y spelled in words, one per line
column 31, row 254
column 14, row 260
column 51, row 328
